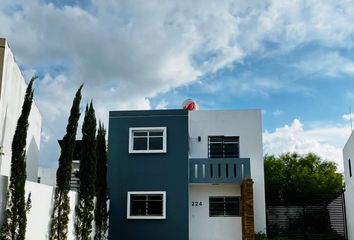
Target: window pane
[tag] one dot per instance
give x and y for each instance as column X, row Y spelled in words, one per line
column 215, row 146
column 216, row 139
column 216, row 209
column 155, row 208
column 231, row 139
column 155, row 197
column 231, row 206
column 140, row 133
column 140, row 143
column 215, row 150
column 216, row 199
column 156, row 133
column 155, row 143
column 231, row 199
column 231, row 211
column 231, row 148
column 137, row 206
column 138, row 197
column 216, row 206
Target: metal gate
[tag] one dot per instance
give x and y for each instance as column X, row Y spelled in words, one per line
column 315, row 216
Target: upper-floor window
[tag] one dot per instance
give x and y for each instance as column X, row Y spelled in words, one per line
column 147, row 140
column 146, row 205
column 224, row 147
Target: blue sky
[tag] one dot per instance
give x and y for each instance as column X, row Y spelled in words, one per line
column 292, row 59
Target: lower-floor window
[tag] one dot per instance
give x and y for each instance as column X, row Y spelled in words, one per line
column 224, row 206
column 146, row 205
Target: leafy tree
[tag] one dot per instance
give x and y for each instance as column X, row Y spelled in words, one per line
column 292, row 173
column 60, row 216
column 101, row 214
column 14, row 225
column 87, row 174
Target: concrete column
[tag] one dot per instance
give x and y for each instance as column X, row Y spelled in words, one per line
column 247, row 209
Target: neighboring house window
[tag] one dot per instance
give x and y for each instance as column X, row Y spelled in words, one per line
column 224, row 147
column 224, row 206
column 350, row 168
column 147, row 140
column 146, row 205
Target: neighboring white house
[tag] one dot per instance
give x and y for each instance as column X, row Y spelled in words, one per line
column 47, row 176
column 348, row 158
column 12, row 92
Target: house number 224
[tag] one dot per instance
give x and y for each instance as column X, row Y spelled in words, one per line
column 196, row 204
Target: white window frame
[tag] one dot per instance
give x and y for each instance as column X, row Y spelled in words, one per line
column 164, row 136
column 163, row 193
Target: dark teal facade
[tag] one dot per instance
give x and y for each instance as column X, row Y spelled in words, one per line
column 148, row 172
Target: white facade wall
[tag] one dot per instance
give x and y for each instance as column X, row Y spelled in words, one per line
column 246, row 124
column 203, row 227
column 348, row 153
column 12, row 91
column 39, row 217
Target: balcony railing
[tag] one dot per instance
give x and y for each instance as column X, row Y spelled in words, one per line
column 219, row 170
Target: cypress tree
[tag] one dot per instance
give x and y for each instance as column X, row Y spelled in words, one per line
column 101, row 214
column 61, row 210
column 87, row 175
column 14, row 225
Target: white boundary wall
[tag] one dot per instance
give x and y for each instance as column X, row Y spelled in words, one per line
column 12, row 92
column 348, row 153
column 39, row 217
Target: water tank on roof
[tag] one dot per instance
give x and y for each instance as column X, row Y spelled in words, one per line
column 190, row 105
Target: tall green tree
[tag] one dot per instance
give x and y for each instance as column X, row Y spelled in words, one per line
column 101, row 214
column 292, row 173
column 87, row 176
column 14, row 225
column 61, row 210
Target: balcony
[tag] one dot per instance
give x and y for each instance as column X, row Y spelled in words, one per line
column 219, row 170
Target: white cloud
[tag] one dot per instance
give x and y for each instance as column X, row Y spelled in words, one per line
column 277, row 112
column 326, row 141
column 45, row 137
column 249, row 83
column 349, row 95
column 331, row 64
column 348, row 117
column 141, row 50
column 162, row 104
column 128, row 51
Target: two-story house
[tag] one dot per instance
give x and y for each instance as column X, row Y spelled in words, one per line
column 177, row 174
